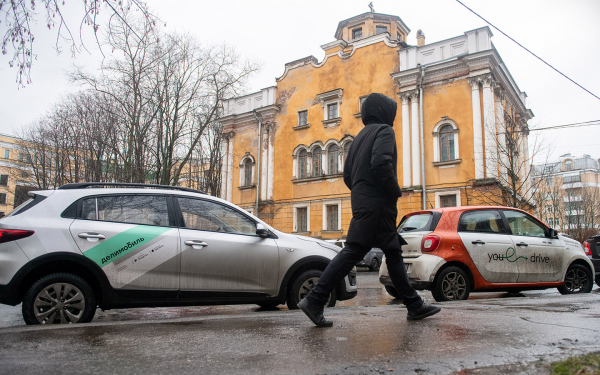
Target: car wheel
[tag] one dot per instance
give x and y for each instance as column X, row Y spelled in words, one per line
column 392, row 291
column 60, row 298
column 304, row 284
column 374, row 265
column 578, row 279
column 451, row 284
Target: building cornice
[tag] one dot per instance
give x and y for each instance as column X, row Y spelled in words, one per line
column 269, row 110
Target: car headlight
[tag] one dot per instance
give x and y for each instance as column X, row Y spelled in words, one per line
column 330, row 247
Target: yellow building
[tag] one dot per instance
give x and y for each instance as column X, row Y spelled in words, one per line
column 454, row 98
column 15, row 174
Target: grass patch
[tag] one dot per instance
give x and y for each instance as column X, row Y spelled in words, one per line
column 583, row 365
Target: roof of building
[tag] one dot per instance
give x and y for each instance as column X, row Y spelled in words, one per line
column 367, row 15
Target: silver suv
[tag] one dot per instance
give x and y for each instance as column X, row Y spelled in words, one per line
column 67, row 251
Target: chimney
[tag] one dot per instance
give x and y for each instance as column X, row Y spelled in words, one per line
column 420, row 38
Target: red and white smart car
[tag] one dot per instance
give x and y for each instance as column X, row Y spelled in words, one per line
column 458, row 250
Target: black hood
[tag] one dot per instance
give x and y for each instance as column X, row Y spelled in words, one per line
column 378, row 109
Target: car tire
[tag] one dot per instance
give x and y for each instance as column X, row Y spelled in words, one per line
column 452, row 284
column 59, row 298
column 304, row 284
column 578, row 279
column 374, row 265
column 392, row 291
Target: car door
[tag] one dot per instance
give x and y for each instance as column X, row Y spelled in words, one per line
column 540, row 258
column 221, row 251
column 484, row 236
column 129, row 236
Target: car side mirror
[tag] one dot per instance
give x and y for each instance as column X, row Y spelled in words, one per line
column 261, row 231
column 553, row 233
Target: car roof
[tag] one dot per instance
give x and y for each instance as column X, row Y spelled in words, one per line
column 465, row 208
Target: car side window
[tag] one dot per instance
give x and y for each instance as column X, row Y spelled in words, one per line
column 131, row 209
column 522, row 224
column 488, row 221
column 214, row 217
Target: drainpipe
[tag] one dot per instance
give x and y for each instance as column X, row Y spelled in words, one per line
column 424, row 187
column 258, row 159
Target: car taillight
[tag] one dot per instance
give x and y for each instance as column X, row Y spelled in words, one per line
column 430, row 243
column 7, row 235
column 586, row 248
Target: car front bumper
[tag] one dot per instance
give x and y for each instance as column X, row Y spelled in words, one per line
column 421, row 271
column 348, row 289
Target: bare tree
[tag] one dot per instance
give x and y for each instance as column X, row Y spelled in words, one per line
column 20, row 16
column 514, row 181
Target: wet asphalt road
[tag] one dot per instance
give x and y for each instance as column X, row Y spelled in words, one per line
column 370, row 335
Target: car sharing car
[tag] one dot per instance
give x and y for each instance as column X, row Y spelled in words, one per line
column 459, row 250
column 67, row 251
column 592, row 249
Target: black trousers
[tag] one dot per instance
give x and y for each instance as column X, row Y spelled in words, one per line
column 351, row 254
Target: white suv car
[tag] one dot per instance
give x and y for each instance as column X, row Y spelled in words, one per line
column 65, row 252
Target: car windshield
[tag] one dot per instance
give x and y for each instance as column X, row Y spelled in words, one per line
column 415, row 223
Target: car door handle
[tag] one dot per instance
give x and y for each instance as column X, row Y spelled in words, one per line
column 478, row 242
column 195, row 243
column 87, row 235
column 522, row 244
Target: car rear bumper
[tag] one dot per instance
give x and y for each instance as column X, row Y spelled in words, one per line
column 421, row 271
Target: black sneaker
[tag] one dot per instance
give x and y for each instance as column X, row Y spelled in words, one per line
column 314, row 313
column 423, row 312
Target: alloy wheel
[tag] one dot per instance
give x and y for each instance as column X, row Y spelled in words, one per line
column 307, row 286
column 576, row 280
column 59, row 303
column 454, row 286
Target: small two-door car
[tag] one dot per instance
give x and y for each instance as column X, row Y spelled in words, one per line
column 459, row 250
column 67, row 251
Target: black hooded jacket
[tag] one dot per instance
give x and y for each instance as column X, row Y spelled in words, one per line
column 370, row 174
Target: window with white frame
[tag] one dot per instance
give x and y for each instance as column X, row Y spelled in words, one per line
column 447, row 198
column 357, row 33
column 549, row 209
column 332, row 215
column 317, row 160
column 361, row 101
column 568, row 165
column 333, row 155
column 445, row 141
column 6, row 154
column 247, row 171
column 303, row 164
column 301, row 217
column 550, row 222
column 332, row 111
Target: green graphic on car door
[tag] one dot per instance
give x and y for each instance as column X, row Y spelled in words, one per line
column 123, row 243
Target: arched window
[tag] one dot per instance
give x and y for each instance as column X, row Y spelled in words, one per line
column 346, row 149
column 447, row 143
column 333, row 153
column 317, row 161
column 302, row 164
column 248, row 172
column 568, row 165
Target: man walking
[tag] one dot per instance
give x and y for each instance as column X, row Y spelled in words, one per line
column 370, row 174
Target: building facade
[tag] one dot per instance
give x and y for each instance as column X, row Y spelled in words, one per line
column 568, row 193
column 284, row 147
column 16, row 174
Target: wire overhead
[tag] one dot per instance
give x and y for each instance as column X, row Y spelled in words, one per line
column 520, row 45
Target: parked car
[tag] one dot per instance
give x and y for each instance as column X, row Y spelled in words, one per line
column 373, row 259
column 65, row 252
column 459, row 250
column 592, row 249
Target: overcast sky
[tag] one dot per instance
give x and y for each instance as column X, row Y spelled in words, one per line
column 564, row 33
